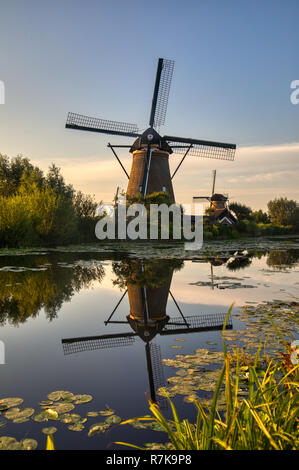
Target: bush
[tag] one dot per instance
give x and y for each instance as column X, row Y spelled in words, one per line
column 37, row 210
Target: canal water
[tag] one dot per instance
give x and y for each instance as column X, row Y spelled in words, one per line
column 102, row 322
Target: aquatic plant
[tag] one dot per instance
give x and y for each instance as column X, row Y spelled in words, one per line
column 267, row 419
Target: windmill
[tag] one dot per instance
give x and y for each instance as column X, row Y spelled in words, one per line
column 150, row 170
column 209, row 198
column 147, row 319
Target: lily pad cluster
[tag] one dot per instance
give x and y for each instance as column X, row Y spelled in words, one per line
column 259, row 330
column 197, row 374
column 10, row 443
column 59, row 407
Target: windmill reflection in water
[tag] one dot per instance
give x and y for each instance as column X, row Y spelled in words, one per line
column 147, row 317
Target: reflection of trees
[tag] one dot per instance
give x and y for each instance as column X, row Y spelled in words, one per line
column 151, row 273
column 284, row 258
column 239, row 263
column 43, row 282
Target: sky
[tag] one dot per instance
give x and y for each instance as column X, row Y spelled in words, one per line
column 234, row 63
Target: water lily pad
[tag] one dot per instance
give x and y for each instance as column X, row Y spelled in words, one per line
column 107, row 412
column 2, row 423
column 113, row 419
column 61, row 395
column 51, row 413
column 45, row 416
column 98, row 428
column 80, row 399
column 6, row 403
column 76, row 427
column 49, row 431
column 10, row 443
column 61, row 408
column 29, row 444
column 46, row 403
column 93, row 414
column 6, row 441
column 19, row 416
column 12, row 413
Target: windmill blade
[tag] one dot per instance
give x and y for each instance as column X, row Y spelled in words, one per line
column 86, row 123
column 202, row 148
column 214, row 180
column 156, row 373
column 161, row 92
column 91, row 343
column 197, row 323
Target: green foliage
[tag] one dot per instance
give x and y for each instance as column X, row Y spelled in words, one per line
column 284, row 211
column 41, row 210
column 260, row 217
column 241, row 210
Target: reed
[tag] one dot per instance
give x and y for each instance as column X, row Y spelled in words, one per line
column 267, row 419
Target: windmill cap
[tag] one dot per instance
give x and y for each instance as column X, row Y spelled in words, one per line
column 150, row 136
column 218, row 197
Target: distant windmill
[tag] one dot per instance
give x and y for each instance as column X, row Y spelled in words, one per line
column 150, row 168
column 209, row 198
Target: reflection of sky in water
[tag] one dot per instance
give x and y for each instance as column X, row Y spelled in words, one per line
column 36, row 365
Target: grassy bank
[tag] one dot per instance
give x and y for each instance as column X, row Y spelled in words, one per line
column 245, row 229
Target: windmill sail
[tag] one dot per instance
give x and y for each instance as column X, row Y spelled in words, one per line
column 202, row 148
column 92, row 343
column 161, row 92
column 92, row 124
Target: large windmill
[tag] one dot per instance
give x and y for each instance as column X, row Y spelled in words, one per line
column 150, row 167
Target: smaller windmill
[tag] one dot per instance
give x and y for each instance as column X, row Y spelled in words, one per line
column 209, row 198
column 219, row 212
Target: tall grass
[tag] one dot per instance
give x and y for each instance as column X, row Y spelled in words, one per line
column 267, row 419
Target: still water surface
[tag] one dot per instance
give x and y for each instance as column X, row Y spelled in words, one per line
column 99, row 324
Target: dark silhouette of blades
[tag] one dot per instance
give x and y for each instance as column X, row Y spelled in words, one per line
column 161, row 92
column 92, row 343
column 202, row 148
column 196, row 323
column 91, row 124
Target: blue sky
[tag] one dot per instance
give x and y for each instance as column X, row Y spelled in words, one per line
column 234, row 62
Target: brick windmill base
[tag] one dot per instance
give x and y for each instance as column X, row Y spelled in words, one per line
column 159, row 178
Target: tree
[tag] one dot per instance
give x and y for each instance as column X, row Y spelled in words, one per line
column 242, row 212
column 283, row 211
column 56, row 181
column 260, row 217
column 85, row 205
column 13, row 172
